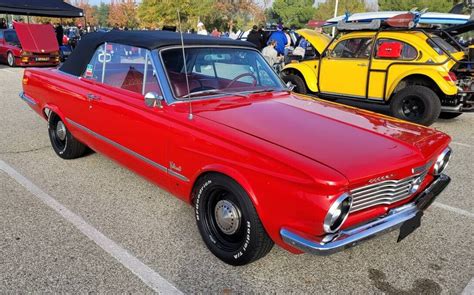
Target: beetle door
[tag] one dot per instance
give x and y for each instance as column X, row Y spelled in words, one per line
column 344, row 69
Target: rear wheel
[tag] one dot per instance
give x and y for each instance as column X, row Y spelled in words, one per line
column 10, row 59
column 297, row 82
column 62, row 141
column 228, row 221
column 416, row 103
column 446, row 115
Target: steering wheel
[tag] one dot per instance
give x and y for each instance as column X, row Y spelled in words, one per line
column 248, row 74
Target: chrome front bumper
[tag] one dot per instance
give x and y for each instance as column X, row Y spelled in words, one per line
column 394, row 219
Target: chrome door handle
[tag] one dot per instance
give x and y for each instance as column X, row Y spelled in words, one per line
column 362, row 65
column 91, row 96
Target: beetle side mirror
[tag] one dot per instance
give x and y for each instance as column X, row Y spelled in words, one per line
column 153, row 100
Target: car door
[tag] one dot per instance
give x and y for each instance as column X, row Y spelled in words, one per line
column 135, row 133
column 344, row 68
column 387, row 52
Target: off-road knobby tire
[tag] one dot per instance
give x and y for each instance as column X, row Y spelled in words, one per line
column 428, row 98
column 449, row 115
column 68, row 149
column 300, row 85
column 252, row 241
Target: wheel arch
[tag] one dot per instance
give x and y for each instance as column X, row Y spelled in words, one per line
column 436, row 82
column 305, row 73
column 226, row 171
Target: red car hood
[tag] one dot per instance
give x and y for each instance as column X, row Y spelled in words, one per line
column 357, row 143
column 36, row 38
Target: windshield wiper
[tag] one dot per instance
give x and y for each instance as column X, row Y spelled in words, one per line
column 211, row 91
column 264, row 90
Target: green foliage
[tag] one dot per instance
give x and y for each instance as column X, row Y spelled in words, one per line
column 222, row 14
column 102, row 14
column 293, row 12
column 326, row 10
column 432, row 5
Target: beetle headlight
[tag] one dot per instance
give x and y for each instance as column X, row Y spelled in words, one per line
column 337, row 213
column 442, row 161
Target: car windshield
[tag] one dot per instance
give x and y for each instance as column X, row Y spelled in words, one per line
column 11, row 37
column 217, row 71
column 440, row 44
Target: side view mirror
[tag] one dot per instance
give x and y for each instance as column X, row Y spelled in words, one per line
column 153, row 100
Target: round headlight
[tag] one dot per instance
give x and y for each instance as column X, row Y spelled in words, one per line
column 442, row 161
column 337, row 213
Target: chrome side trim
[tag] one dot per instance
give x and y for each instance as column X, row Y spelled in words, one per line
column 394, row 219
column 177, row 175
column 129, row 151
column 28, row 99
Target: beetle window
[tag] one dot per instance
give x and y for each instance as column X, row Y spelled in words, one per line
column 394, row 49
column 439, row 44
column 353, row 48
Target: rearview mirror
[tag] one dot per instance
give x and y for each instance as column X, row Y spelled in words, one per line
column 153, row 100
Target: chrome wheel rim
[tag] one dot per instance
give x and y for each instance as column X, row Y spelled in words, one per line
column 10, row 59
column 61, row 131
column 227, row 216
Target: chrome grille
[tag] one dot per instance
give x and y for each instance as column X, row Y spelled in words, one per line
column 385, row 192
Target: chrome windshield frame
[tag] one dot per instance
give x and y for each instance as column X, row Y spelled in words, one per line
column 169, row 95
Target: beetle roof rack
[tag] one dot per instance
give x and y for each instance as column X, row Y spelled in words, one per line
column 359, row 26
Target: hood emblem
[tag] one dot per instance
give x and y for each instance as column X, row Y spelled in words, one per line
column 42, row 50
column 381, row 178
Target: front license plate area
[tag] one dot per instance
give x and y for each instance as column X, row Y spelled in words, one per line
column 42, row 59
column 410, row 226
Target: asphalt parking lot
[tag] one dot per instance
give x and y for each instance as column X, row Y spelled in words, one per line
column 89, row 225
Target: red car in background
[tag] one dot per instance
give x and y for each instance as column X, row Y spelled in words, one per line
column 29, row 45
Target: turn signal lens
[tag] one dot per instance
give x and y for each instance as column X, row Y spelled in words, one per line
column 451, row 77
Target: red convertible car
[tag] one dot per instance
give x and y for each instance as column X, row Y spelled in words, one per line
column 214, row 125
column 29, row 45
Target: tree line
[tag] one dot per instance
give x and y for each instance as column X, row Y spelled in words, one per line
column 228, row 15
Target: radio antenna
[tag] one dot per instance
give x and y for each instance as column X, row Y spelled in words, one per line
column 190, row 116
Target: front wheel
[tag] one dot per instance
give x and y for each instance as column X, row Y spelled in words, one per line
column 62, row 141
column 418, row 104
column 446, row 115
column 228, row 221
column 298, row 84
column 10, row 59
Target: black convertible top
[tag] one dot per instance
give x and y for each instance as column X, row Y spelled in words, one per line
column 82, row 54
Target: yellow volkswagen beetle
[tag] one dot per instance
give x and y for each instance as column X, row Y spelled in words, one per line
column 417, row 72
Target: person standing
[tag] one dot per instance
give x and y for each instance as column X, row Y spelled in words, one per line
column 255, row 37
column 270, row 53
column 280, row 38
column 201, row 30
column 59, row 33
column 215, row 33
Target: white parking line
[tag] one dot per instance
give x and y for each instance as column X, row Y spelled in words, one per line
column 453, row 209
column 152, row 279
column 462, row 144
column 8, row 70
column 469, row 290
